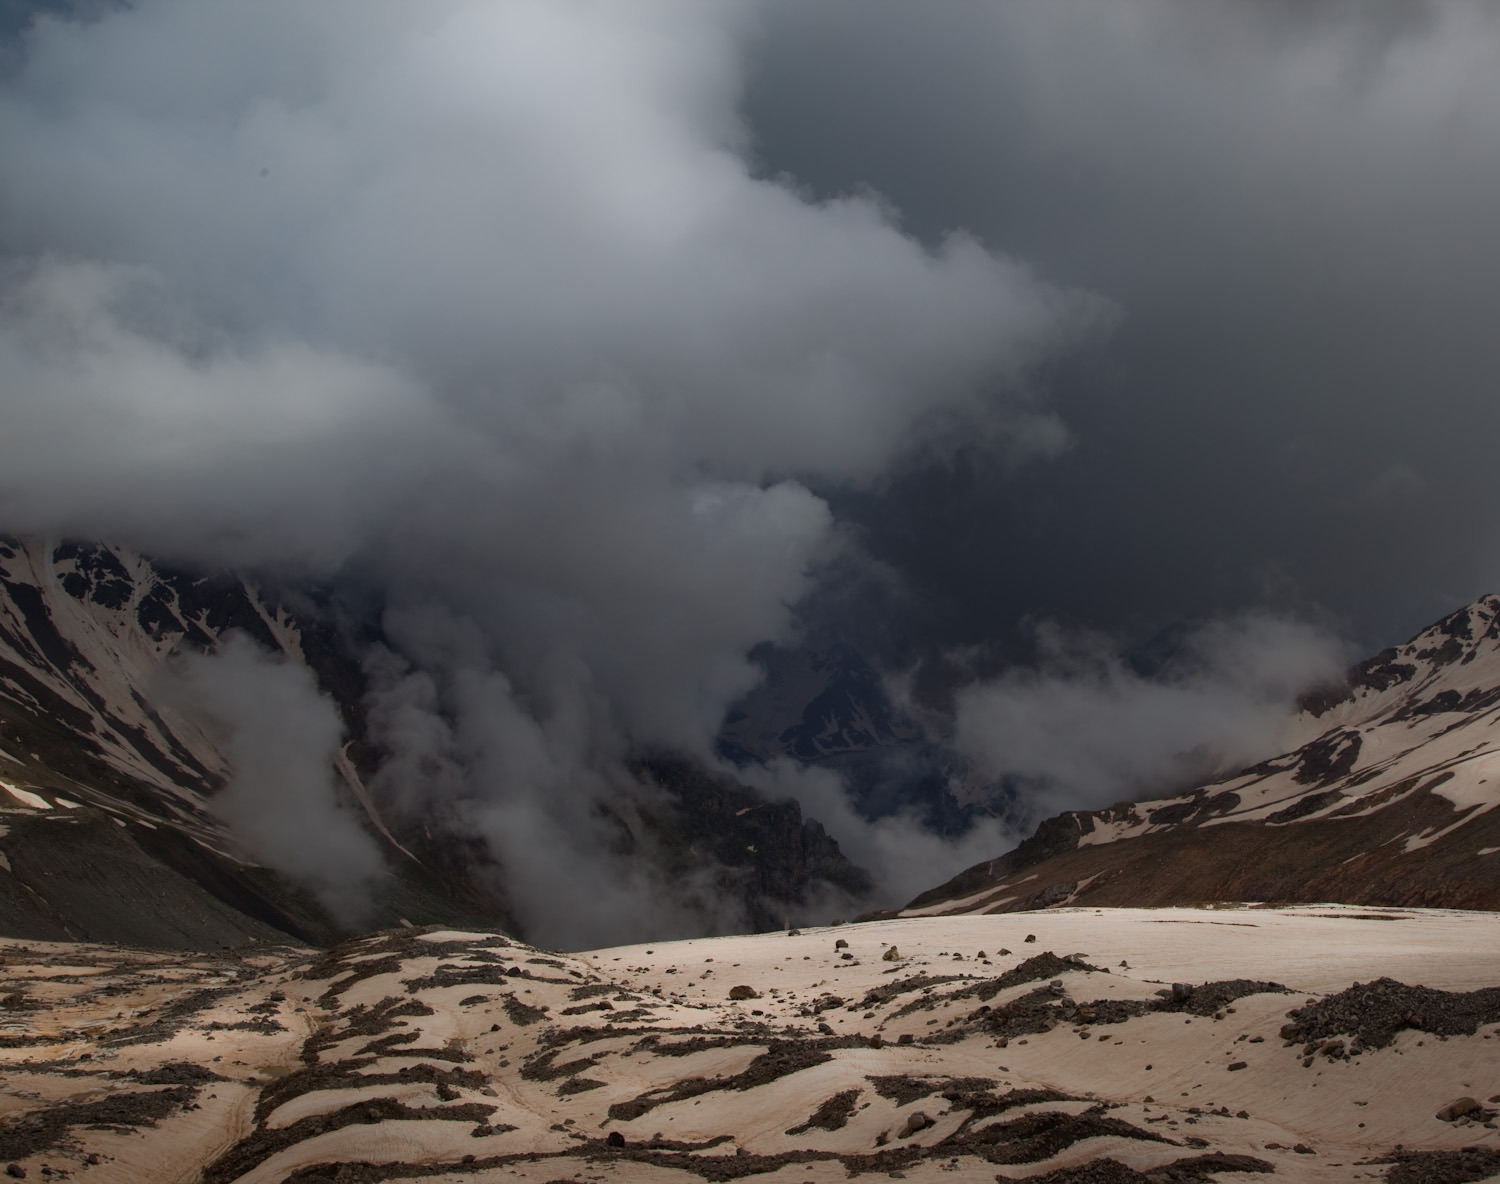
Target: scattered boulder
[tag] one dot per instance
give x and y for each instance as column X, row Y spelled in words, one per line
column 916, row 1121
column 891, row 955
column 841, row 944
column 1457, row 1108
column 743, row 992
column 1031, row 937
column 615, row 1139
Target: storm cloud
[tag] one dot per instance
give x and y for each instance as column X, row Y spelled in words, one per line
column 1291, row 203
column 608, row 341
column 485, row 301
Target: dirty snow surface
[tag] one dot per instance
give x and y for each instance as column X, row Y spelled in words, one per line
column 1308, row 1044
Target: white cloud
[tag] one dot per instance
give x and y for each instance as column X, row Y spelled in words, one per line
column 1084, row 729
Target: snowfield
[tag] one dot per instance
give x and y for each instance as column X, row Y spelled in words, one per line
column 1048, row 1046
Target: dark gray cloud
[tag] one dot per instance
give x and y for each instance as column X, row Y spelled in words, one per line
column 610, row 341
column 483, row 300
column 1292, row 205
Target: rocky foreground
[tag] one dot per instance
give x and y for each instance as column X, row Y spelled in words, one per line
column 1169, row 1046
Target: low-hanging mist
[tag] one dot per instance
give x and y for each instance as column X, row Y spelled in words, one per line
column 493, row 310
column 483, row 301
column 1083, row 727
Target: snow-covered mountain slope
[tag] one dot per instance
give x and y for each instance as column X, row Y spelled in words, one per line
column 84, row 631
column 1131, row 1046
column 100, row 772
column 1389, row 796
column 88, row 744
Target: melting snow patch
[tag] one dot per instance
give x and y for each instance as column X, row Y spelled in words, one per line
column 26, row 797
column 66, row 804
column 15, row 760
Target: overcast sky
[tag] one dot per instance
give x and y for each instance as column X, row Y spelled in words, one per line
column 1293, row 206
column 608, row 340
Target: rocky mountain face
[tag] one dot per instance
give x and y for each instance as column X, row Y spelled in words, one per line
column 814, row 703
column 1387, row 796
column 107, row 830
column 107, row 824
column 827, row 707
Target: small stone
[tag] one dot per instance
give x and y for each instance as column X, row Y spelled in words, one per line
column 1237, row 1065
column 1303, row 1149
column 794, row 933
column 915, row 1121
column 1457, row 1108
column 614, row 1139
column 1242, row 1114
column 841, row 944
column 743, row 992
column 15, row 1171
column 891, row 955
column 1031, row 937
column 1004, row 953
column 906, row 1038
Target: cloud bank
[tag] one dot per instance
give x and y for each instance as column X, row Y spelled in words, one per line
column 484, row 302
column 1083, row 728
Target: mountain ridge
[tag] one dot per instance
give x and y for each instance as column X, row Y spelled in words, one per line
column 1401, row 757
column 99, row 766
